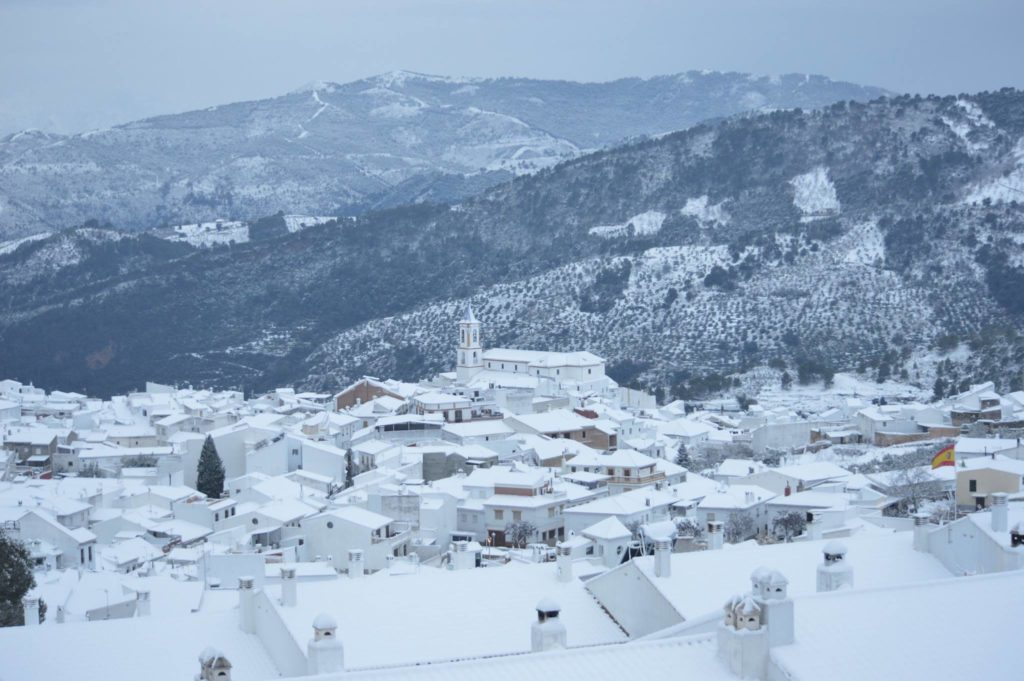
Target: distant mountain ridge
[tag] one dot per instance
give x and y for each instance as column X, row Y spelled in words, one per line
column 331, row 149
column 884, row 236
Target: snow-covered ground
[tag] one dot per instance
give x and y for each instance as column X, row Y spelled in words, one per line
column 706, row 214
column 11, row 246
column 1007, row 188
column 973, row 118
column 643, row 224
column 868, row 245
column 766, row 386
column 814, row 194
column 206, row 234
column 297, row 223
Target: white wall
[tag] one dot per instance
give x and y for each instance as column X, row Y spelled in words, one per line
column 229, row 567
column 281, row 646
column 963, row 548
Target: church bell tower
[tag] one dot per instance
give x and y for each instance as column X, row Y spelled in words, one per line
column 470, row 353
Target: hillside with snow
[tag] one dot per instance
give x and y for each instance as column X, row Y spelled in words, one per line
column 334, row 149
column 841, row 239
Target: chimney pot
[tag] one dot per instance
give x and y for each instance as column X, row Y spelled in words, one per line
column 325, row 652
column 289, row 587
column 30, row 605
column 921, row 530
column 548, row 632
column 142, row 603
column 247, row 604
column 663, row 557
column 999, row 512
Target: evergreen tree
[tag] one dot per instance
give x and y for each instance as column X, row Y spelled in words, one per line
column 350, row 470
column 15, row 580
column 210, row 480
column 682, row 456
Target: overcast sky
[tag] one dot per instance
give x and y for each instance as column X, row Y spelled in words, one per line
column 73, row 65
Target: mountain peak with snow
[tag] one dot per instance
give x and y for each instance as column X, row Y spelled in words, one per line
column 399, row 77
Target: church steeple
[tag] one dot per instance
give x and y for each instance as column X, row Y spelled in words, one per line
column 469, row 355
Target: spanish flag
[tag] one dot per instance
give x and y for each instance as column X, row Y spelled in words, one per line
column 945, row 457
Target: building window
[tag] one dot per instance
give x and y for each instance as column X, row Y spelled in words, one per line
column 255, row 521
column 216, row 517
column 973, row 485
column 499, row 514
column 551, row 512
column 517, row 516
column 330, row 525
column 711, row 516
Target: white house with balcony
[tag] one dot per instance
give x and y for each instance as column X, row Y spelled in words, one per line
column 626, row 469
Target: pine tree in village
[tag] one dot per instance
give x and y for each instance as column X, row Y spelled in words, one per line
column 15, row 581
column 350, row 470
column 682, row 456
column 210, row 479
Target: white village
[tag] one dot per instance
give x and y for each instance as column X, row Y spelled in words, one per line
column 523, row 516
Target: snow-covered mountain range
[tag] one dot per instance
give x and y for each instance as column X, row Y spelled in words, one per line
column 879, row 237
column 333, row 149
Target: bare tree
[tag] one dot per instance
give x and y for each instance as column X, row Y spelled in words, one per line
column 913, row 486
column 520, row 533
column 689, row 527
column 634, row 527
column 739, row 527
column 789, row 525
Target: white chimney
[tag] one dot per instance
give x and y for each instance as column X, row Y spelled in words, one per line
column 325, row 652
column 663, row 557
column 462, row 557
column 548, row 632
column 921, row 530
column 834, row 572
column 356, row 565
column 715, row 536
column 247, row 604
column 30, row 605
column 564, row 565
column 289, row 587
column 770, row 589
column 813, row 526
column 213, row 666
column 1000, row 521
column 142, row 603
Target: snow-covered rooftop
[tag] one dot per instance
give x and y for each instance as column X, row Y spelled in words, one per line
column 443, row 614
